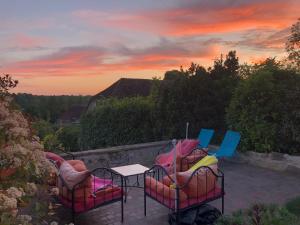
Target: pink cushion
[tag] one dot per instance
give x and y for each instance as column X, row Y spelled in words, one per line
column 182, row 149
column 70, row 176
column 187, row 146
column 54, row 157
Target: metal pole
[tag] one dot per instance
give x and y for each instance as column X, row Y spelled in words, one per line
column 175, row 178
column 187, row 130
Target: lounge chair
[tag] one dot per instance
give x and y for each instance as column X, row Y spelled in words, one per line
column 194, row 188
column 228, row 145
column 226, row 149
column 204, row 137
column 82, row 190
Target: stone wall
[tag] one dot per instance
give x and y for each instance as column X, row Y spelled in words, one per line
column 274, row 161
column 145, row 154
column 123, row 155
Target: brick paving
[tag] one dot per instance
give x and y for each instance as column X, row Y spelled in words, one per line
column 244, row 185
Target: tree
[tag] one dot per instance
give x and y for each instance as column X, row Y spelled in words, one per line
column 231, row 64
column 293, row 44
column 173, row 75
column 227, row 68
column 6, row 83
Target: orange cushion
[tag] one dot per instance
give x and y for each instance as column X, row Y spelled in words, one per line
column 78, row 165
column 163, row 190
column 197, row 186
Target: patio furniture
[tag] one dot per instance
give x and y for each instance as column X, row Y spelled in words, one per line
column 228, row 145
column 193, row 189
column 82, row 190
column 204, row 137
column 226, row 149
column 128, row 171
column 183, row 148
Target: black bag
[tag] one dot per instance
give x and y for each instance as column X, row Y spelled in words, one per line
column 203, row 215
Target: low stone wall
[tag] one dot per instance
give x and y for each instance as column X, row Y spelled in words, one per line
column 145, row 154
column 275, row 161
column 122, row 155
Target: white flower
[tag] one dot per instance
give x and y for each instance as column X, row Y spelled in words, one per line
column 53, row 223
column 7, row 203
column 24, row 219
column 15, row 192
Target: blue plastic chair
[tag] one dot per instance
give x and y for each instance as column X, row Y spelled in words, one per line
column 205, row 137
column 228, row 145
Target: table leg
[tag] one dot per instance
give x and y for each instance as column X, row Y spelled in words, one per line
column 125, row 182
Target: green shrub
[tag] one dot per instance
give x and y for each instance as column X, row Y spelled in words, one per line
column 51, row 142
column 265, row 109
column 260, row 215
column 69, row 137
column 118, row 122
column 293, row 206
column 43, row 128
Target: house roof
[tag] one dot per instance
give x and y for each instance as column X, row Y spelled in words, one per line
column 126, row 87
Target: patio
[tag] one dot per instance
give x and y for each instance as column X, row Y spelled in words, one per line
column 244, row 185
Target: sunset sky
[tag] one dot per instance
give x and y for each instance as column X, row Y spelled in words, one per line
column 82, row 46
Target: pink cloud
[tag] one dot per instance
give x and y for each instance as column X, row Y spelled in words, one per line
column 92, row 60
column 194, row 19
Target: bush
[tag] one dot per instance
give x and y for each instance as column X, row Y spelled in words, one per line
column 199, row 100
column 118, row 122
column 69, row 137
column 265, row 109
column 43, row 128
column 260, row 215
column 294, row 206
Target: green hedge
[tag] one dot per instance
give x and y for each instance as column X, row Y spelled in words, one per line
column 265, row 108
column 118, row 122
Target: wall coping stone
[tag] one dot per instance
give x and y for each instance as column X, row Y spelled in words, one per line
column 120, row 148
column 274, row 160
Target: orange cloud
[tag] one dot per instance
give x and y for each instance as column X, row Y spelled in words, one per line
column 93, row 60
column 196, row 19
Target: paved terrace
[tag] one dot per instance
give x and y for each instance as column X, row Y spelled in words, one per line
column 244, row 185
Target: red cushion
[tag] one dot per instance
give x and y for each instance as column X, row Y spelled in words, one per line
column 213, row 194
column 92, row 202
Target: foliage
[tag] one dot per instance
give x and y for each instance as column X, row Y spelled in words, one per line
column 48, row 108
column 6, row 83
column 265, row 109
column 117, row 122
column 23, row 157
column 52, row 143
column 69, row 137
column 195, row 95
column 260, row 215
column 294, row 206
column 43, row 128
column 293, row 44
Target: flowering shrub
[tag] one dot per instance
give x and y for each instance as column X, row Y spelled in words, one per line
column 23, row 166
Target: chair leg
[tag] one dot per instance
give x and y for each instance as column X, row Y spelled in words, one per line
column 122, row 210
column 145, row 207
column 223, row 204
column 73, row 216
